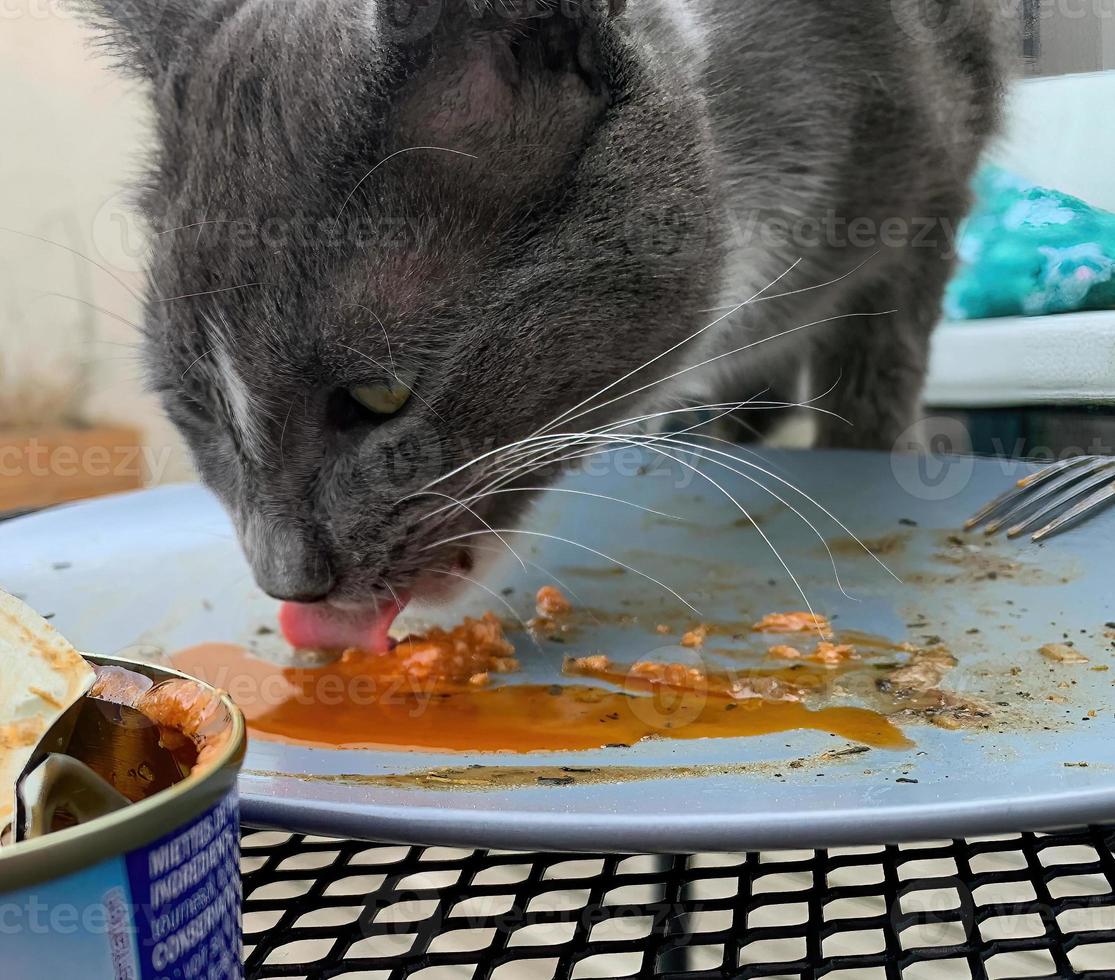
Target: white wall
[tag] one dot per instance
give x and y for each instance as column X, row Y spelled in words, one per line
column 1108, row 40
column 1076, row 36
column 70, row 132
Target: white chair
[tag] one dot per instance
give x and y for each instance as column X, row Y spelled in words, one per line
column 1058, row 135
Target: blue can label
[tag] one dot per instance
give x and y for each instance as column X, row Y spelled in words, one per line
column 166, row 911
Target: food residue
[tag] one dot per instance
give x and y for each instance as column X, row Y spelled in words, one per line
column 695, row 637
column 436, row 691
column 829, row 654
column 793, row 622
column 447, row 690
column 367, row 704
column 466, row 654
column 649, row 675
column 1062, row 653
column 785, row 652
column 194, row 725
column 916, row 687
column 552, row 602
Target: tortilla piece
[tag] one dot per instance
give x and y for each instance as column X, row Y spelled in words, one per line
column 41, row 676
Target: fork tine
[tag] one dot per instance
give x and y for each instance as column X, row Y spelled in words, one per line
column 1097, row 500
column 1029, row 498
column 1076, row 491
column 1033, row 480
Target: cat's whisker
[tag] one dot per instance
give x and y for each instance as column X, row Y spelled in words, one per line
column 560, row 441
column 466, row 507
column 803, row 494
column 533, row 443
column 540, row 433
column 645, row 442
column 212, row 292
column 562, row 416
column 197, row 360
column 136, row 295
column 798, row 292
column 723, row 490
column 541, row 437
column 495, row 595
column 816, row 503
column 388, row 159
column 575, row 544
column 708, row 455
column 731, row 353
column 666, row 353
column 282, row 435
column 199, row 224
column 698, row 453
column 581, row 493
column 394, row 595
column 119, row 317
column 386, row 338
column 763, row 534
column 561, row 583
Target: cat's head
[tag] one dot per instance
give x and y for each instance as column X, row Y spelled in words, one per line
column 381, row 249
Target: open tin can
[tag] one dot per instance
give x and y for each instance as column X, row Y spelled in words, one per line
column 149, row 887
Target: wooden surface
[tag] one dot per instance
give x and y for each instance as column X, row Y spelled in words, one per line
column 45, row 467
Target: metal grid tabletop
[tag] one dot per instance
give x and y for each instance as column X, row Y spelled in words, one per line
column 1029, row 905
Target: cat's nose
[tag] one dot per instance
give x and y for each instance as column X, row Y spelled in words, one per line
column 286, row 592
column 289, row 565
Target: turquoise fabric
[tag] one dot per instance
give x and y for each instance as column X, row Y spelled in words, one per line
column 1031, row 251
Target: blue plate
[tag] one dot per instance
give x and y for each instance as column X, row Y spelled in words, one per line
column 145, row 573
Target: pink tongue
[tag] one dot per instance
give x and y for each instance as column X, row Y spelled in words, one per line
column 320, row 626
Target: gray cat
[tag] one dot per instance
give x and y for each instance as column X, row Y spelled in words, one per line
column 392, row 236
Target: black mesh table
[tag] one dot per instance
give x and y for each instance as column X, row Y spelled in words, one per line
column 1029, row 905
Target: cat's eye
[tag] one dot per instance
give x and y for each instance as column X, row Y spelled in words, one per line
column 383, row 399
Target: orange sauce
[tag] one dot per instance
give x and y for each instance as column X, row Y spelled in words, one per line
column 378, row 701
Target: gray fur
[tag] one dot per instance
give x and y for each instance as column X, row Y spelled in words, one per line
column 620, row 164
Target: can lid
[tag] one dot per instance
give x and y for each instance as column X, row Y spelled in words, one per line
column 43, row 675
column 55, row 855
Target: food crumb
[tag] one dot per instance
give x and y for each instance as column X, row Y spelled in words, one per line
column 479, row 680
column 792, row 622
column 695, row 637
column 832, row 654
column 662, row 629
column 1063, row 654
column 785, row 652
column 552, row 602
column 596, row 662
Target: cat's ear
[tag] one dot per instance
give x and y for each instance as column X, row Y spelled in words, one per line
column 521, row 66
column 145, row 37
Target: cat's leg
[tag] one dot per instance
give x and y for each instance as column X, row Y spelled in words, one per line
column 876, row 364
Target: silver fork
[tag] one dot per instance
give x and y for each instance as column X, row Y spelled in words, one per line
column 1056, row 491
